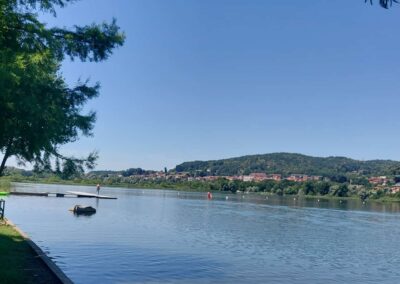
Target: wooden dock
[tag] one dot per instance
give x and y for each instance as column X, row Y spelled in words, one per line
column 29, row 193
column 67, row 194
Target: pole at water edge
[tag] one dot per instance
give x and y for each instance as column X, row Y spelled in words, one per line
column 2, row 207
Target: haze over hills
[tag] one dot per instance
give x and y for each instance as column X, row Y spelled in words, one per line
column 273, row 163
column 290, row 163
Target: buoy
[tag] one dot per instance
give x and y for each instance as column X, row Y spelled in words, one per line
column 294, row 198
column 226, row 197
column 209, row 195
column 318, row 200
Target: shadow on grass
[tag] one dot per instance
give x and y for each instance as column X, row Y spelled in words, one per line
column 18, row 262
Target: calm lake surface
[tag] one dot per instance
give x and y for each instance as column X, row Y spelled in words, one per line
column 161, row 236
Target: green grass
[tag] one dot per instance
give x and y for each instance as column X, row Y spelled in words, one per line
column 5, row 184
column 387, row 199
column 18, row 263
column 13, row 255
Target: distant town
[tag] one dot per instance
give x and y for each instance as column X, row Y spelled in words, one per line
column 376, row 182
column 278, row 173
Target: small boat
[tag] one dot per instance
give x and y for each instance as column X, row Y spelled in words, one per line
column 80, row 209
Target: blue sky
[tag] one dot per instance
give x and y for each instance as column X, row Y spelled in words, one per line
column 211, row 79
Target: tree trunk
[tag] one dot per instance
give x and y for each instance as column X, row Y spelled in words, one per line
column 3, row 163
column 6, row 156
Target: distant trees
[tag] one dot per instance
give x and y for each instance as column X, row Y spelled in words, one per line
column 133, row 171
column 363, row 195
column 292, row 190
column 322, row 188
column 338, row 169
column 284, row 187
column 308, row 188
column 338, row 178
column 341, row 190
column 71, row 170
column 224, row 185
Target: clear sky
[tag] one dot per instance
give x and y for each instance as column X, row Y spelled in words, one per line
column 211, row 79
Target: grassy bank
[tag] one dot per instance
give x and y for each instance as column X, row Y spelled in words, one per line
column 18, row 263
column 330, row 197
column 5, row 184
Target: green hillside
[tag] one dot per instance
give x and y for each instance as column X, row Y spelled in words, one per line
column 289, row 163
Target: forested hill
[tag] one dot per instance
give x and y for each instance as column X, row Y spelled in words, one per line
column 289, row 163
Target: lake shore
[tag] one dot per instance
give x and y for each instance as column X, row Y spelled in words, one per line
column 244, row 230
column 5, row 185
column 18, row 262
column 179, row 187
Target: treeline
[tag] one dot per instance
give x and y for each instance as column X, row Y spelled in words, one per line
column 136, row 171
column 284, row 187
column 310, row 188
column 124, row 173
column 314, row 188
column 68, row 171
column 290, row 163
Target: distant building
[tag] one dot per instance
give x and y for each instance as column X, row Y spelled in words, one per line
column 301, row 178
column 315, row 178
column 160, row 174
column 383, row 180
column 297, row 178
column 247, row 178
column 232, row 178
column 210, row 178
column 259, row 176
column 395, row 188
column 275, row 177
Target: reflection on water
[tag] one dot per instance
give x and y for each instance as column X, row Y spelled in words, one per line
column 83, row 214
column 179, row 237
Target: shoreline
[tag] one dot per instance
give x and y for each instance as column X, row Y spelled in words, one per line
column 46, row 266
column 384, row 199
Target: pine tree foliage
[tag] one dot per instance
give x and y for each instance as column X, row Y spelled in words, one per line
column 39, row 111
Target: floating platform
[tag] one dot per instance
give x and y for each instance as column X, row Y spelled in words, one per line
column 29, row 193
column 67, row 194
column 90, row 195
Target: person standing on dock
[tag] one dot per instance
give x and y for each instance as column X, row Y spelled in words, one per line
column 98, row 189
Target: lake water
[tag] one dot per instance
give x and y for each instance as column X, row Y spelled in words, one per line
column 161, row 236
